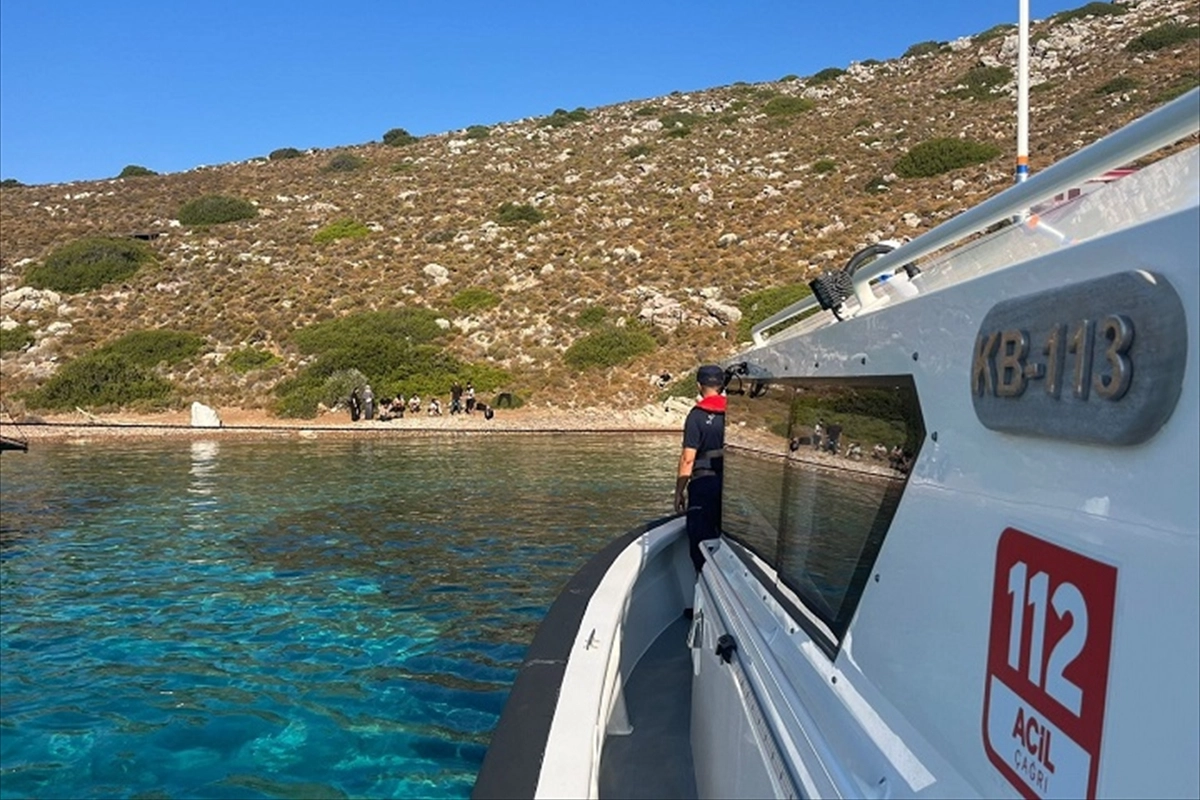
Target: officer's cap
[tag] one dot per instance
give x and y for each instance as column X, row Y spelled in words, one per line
column 710, row 375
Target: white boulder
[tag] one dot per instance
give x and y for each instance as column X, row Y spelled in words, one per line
column 204, row 417
column 440, row 274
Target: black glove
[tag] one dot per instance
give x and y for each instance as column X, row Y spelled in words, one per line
column 681, row 494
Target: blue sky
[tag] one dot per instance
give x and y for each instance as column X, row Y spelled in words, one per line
column 89, row 86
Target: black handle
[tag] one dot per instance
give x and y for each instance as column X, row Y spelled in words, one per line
column 726, row 647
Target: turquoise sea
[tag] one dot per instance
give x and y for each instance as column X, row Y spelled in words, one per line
column 287, row 618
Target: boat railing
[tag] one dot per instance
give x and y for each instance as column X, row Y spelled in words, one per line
column 1159, row 128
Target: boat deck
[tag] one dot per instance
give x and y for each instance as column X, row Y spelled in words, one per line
column 655, row 761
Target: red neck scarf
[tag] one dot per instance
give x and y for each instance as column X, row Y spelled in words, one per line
column 714, row 402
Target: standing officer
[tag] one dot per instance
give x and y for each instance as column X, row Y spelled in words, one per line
column 701, row 462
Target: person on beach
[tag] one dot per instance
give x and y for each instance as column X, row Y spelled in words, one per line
column 368, row 399
column 833, row 435
column 355, row 405
column 702, row 462
column 470, row 397
column 391, row 408
column 456, row 393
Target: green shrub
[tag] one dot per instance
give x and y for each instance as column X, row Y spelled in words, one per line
column 17, row 338
column 591, row 316
column 153, row 347
column 341, row 229
column 1118, row 85
column 215, row 209
column 980, row 82
column 639, row 150
column 826, row 75
column 344, row 162
column 1089, row 10
column 609, row 346
column 561, row 118
column 677, row 133
column 414, row 325
column 1177, row 89
column 924, row 49
column 759, row 305
column 10, row 183
column 1166, row 35
column 678, row 119
column 937, row 156
column 245, row 359
column 789, row 78
column 284, row 153
column 390, row 349
column 300, row 396
column 684, row 386
column 995, row 32
column 478, row 132
column 474, row 298
column 90, row 263
column 336, row 388
column 380, row 345
column 512, row 214
column 647, row 111
column 101, row 380
column 786, row 106
column 398, row 137
column 824, row 165
column 134, row 171
column 120, row 373
column 298, row 399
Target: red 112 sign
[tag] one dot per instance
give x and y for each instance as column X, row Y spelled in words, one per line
column 1047, row 669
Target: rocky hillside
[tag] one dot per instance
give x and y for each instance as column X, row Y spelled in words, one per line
column 665, row 213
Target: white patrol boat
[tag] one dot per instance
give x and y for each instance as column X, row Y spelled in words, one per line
column 961, row 531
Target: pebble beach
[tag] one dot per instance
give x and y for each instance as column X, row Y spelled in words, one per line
column 241, row 422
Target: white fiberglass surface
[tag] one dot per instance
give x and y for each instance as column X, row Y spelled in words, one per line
column 918, row 649
column 1159, row 189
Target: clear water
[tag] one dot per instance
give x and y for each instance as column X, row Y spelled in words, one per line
column 287, row 618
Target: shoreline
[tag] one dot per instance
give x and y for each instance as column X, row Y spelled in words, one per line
column 252, row 424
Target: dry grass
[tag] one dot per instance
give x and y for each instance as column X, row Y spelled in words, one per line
column 434, row 201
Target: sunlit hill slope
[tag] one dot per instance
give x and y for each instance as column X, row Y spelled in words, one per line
column 514, row 250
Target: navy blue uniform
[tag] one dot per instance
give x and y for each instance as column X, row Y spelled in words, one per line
column 704, row 430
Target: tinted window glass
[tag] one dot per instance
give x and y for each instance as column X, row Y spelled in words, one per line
column 813, row 477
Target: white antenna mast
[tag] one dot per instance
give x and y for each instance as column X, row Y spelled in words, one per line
column 1023, row 92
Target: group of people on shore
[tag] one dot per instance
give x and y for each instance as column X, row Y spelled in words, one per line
column 361, row 404
column 827, row 439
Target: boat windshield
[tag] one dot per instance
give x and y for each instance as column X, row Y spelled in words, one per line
column 814, row 473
